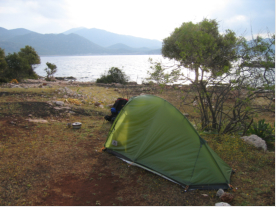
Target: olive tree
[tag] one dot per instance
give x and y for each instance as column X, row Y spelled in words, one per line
column 237, row 78
column 201, row 48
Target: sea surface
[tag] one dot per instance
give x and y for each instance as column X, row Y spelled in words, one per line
column 89, row 68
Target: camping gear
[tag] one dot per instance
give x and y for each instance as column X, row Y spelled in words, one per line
column 116, row 108
column 151, row 133
column 76, row 125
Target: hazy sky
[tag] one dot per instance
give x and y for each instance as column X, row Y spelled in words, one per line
column 152, row 19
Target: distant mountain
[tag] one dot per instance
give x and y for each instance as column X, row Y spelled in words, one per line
column 67, row 43
column 124, row 49
column 7, row 34
column 106, row 39
column 73, row 30
column 59, row 44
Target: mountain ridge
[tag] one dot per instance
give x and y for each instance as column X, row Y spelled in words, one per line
column 106, row 39
column 69, row 43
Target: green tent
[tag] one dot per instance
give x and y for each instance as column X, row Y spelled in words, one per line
column 151, row 133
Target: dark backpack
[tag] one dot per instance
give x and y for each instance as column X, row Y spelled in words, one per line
column 116, row 108
column 119, row 104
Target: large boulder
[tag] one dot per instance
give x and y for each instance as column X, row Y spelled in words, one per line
column 256, row 141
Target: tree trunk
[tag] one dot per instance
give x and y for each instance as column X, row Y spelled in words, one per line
column 196, row 75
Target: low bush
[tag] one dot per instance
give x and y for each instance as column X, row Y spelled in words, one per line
column 114, row 75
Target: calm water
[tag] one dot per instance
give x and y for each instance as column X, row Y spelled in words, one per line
column 89, row 68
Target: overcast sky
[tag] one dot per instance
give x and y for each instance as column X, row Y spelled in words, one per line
column 152, row 19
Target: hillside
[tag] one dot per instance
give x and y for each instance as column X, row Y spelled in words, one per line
column 70, row 43
column 59, row 44
column 7, row 34
column 106, row 39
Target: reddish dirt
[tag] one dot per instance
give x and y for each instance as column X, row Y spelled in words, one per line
column 71, row 191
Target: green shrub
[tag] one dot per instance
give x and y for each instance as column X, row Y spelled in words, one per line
column 263, row 130
column 114, row 75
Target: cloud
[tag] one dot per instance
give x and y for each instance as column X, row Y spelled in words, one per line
column 152, row 19
column 35, row 15
column 242, row 16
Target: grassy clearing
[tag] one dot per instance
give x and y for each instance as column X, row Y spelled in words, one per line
column 51, row 164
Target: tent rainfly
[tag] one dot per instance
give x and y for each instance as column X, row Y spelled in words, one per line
column 151, row 133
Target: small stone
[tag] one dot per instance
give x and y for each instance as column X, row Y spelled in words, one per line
column 97, row 104
column 57, row 108
column 220, row 192
column 59, row 103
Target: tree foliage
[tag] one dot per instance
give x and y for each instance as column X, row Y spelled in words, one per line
column 160, row 76
column 201, row 47
column 18, row 65
column 3, row 65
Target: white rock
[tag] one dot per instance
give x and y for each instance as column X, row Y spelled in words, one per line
column 222, row 204
column 256, row 141
column 59, row 103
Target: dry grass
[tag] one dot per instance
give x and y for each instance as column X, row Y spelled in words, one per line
column 51, row 164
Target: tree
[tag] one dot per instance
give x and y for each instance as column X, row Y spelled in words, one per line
column 237, row 76
column 201, row 47
column 28, row 53
column 3, row 65
column 51, row 70
column 18, row 67
column 228, row 103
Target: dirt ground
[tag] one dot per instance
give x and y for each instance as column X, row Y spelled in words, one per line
column 46, row 164
column 104, row 180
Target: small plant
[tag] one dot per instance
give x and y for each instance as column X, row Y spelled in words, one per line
column 51, row 70
column 263, row 130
